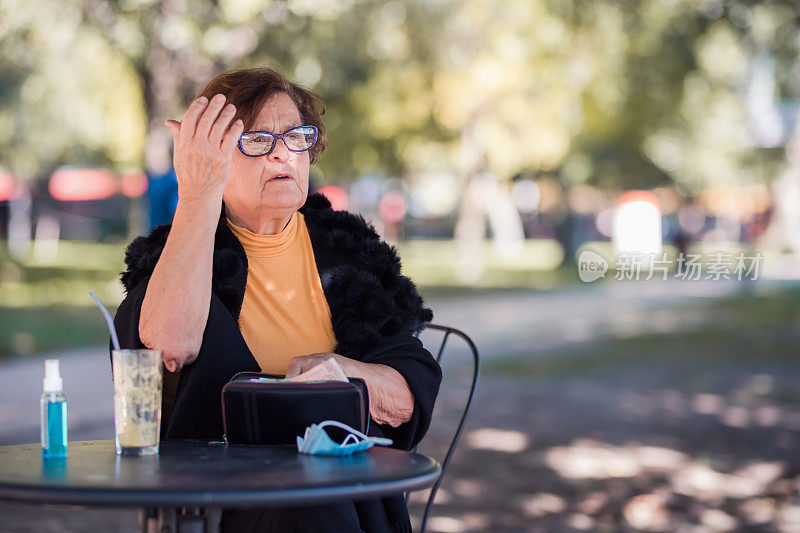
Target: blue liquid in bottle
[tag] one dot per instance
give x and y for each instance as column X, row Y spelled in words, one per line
column 53, row 414
column 54, row 426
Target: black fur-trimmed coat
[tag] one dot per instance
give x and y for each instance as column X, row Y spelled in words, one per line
column 374, row 312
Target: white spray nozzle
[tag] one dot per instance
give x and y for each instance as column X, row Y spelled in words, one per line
column 52, row 377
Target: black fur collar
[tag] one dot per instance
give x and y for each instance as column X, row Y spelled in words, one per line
column 368, row 297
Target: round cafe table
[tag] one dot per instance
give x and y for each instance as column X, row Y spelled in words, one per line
column 176, row 488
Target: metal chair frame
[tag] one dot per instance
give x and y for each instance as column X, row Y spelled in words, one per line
column 454, row 442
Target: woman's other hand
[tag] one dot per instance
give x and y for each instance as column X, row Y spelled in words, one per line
column 204, row 147
column 390, row 399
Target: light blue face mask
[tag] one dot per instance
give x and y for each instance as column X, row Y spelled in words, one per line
column 317, row 442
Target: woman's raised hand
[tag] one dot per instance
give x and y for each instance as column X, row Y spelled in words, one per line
column 204, row 147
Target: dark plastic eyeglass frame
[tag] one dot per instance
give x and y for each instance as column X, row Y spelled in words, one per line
column 276, row 136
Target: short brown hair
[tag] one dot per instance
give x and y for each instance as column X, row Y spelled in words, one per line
column 248, row 89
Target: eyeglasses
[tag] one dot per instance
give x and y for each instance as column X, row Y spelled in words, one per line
column 258, row 143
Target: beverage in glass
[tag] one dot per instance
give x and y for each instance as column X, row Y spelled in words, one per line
column 137, row 401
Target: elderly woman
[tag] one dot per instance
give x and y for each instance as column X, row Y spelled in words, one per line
column 255, row 275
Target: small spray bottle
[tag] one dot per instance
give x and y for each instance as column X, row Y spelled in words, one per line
column 53, row 413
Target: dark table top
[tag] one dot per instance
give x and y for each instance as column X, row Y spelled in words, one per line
column 194, row 473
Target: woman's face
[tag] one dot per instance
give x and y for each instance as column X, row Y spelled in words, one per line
column 251, row 190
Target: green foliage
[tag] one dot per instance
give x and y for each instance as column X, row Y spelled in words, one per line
column 50, row 328
column 621, row 94
column 68, row 97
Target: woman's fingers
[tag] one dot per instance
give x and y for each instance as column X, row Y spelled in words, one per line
column 189, row 122
column 209, row 116
column 200, row 162
column 221, row 124
column 231, row 138
column 294, row 368
column 299, row 364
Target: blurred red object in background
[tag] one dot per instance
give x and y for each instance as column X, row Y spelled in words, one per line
column 78, row 184
column 336, row 196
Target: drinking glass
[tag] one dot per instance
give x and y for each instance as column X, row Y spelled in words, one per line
column 137, row 401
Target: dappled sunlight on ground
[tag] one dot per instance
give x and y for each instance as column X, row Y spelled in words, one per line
column 652, row 447
column 586, row 459
column 498, row 440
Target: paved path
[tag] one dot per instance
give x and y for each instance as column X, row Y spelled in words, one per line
column 533, row 323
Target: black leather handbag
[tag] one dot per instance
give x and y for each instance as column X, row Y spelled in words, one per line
column 258, row 410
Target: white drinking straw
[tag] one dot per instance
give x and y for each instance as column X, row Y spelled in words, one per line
column 109, row 320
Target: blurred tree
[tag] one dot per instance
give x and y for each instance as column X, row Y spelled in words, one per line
column 175, row 46
column 618, row 94
column 168, row 50
column 68, row 98
column 473, row 86
column 629, row 93
column 680, row 108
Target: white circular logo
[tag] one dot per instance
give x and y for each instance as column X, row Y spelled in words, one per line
column 591, row 266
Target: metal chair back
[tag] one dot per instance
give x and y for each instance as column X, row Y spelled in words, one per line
column 447, row 331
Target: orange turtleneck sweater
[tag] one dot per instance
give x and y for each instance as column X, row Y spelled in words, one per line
column 284, row 311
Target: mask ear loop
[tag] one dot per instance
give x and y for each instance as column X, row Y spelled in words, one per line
column 376, row 440
column 346, row 440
